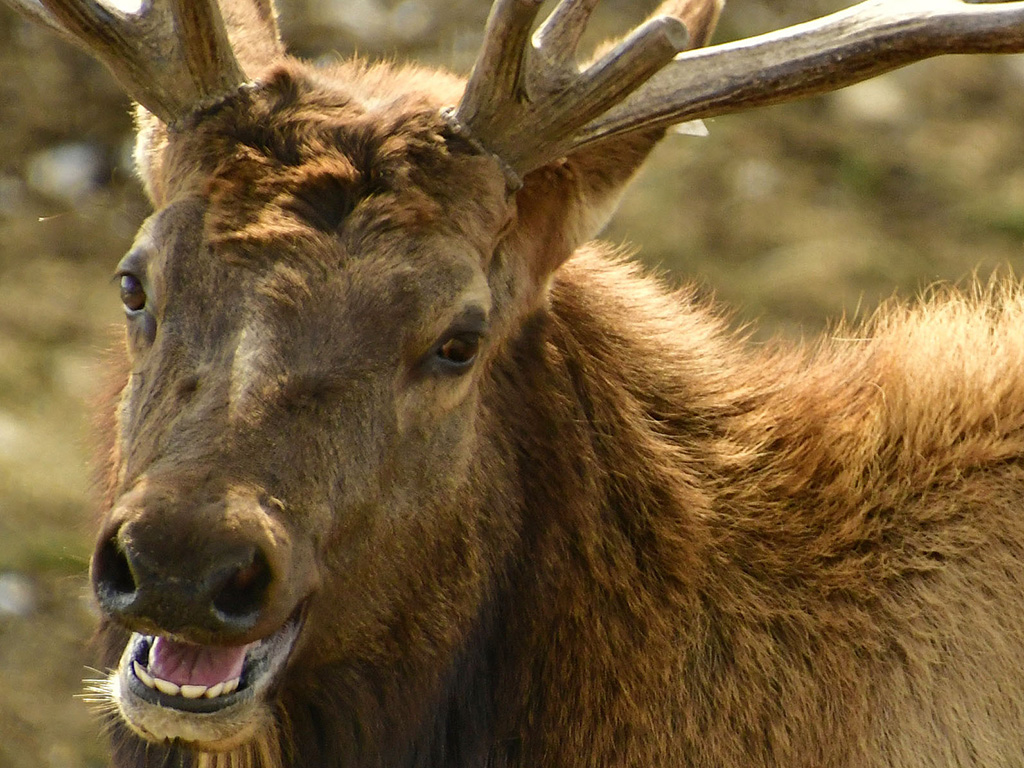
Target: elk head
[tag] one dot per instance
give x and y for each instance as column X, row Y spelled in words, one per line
column 337, row 280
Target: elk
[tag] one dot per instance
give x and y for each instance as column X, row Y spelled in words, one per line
column 403, row 471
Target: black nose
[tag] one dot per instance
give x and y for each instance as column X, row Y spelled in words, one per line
column 219, row 588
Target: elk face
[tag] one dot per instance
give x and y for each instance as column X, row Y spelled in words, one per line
column 307, row 328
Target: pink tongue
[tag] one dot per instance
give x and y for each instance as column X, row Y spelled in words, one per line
column 186, row 664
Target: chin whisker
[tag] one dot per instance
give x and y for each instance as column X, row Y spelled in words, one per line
column 98, row 693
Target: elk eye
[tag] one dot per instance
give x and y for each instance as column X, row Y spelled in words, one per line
column 133, row 296
column 455, row 350
column 460, row 350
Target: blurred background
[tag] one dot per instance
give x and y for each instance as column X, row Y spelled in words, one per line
column 790, row 215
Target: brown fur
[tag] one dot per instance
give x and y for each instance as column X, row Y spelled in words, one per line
column 623, row 537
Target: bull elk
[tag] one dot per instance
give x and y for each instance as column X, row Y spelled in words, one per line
column 402, row 471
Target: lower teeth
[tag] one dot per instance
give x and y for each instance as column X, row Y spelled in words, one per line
column 186, row 691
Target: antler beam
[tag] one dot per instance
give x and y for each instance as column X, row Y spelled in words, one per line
column 816, row 57
column 171, row 57
column 538, row 111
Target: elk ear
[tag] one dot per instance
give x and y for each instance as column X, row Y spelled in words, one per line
column 567, row 201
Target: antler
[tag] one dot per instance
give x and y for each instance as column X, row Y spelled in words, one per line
column 530, row 105
column 521, row 103
column 172, row 57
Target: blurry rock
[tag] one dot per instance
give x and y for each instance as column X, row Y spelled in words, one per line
column 364, row 20
column 17, row 595
column 882, row 101
column 12, row 195
column 690, row 128
column 411, row 20
column 63, row 756
column 13, row 435
column 371, row 24
column 1015, row 66
column 756, row 179
column 66, row 172
column 125, row 6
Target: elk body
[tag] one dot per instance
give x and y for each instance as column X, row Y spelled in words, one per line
column 401, row 472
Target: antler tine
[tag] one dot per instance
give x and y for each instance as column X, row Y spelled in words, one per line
column 172, row 57
column 562, row 30
column 496, row 72
column 206, row 48
column 815, row 57
column 618, row 73
column 521, row 102
column 700, row 17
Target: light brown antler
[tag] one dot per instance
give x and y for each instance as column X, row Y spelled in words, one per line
column 171, row 56
column 527, row 105
column 522, row 100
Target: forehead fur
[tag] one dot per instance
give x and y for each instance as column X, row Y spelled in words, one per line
column 308, row 156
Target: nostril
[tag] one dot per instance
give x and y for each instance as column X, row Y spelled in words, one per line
column 113, row 579
column 242, row 594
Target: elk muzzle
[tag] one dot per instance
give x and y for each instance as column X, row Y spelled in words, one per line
column 211, row 584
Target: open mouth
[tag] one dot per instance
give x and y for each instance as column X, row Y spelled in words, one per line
column 169, row 689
